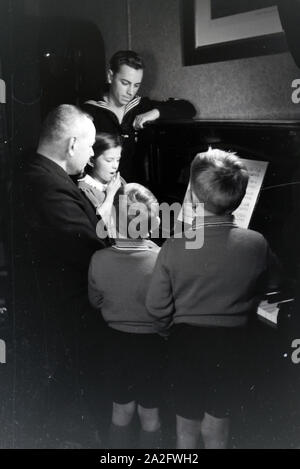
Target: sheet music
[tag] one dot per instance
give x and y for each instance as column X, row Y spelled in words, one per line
column 187, row 212
column 243, row 214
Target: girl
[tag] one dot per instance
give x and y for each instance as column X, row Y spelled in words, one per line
column 102, row 179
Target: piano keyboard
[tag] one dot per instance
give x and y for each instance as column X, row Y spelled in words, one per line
column 268, row 310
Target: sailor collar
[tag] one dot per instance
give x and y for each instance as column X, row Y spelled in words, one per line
column 102, row 103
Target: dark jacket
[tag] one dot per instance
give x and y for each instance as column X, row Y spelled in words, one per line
column 60, row 229
column 56, row 332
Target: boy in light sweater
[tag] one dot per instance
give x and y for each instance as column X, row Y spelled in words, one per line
column 118, row 283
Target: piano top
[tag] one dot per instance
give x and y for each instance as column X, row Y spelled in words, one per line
column 288, row 123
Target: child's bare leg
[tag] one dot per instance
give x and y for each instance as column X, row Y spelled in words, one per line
column 188, row 432
column 120, row 431
column 122, row 414
column 215, row 432
column 149, row 418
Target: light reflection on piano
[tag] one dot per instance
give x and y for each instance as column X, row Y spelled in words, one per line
column 268, row 309
column 272, row 415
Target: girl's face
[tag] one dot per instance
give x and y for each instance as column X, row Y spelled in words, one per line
column 107, row 164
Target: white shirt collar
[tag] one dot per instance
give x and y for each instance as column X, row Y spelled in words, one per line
column 94, row 183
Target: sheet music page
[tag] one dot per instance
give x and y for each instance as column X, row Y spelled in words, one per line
column 257, row 170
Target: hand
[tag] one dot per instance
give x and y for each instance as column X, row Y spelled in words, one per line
column 91, row 196
column 113, row 185
column 140, row 120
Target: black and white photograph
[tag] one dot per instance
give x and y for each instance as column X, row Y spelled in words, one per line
column 149, row 216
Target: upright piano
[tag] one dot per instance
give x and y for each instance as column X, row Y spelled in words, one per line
column 273, row 416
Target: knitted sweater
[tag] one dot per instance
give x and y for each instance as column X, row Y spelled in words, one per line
column 219, row 284
column 118, row 282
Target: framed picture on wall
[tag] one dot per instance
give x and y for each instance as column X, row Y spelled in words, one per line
column 218, row 30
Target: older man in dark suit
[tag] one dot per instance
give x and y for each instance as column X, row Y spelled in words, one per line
column 59, row 225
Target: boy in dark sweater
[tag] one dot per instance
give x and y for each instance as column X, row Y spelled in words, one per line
column 118, row 282
column 207, row 295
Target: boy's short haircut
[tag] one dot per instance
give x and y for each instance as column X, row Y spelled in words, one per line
column 219, row 180
column 143, row 202
column 126, row 57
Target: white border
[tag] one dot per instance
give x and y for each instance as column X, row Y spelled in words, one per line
column 235, row 27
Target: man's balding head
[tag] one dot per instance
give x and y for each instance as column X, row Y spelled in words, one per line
column 67, row 137
column 62, row 122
